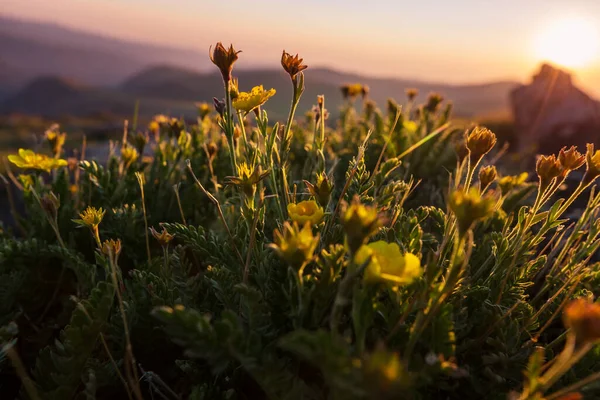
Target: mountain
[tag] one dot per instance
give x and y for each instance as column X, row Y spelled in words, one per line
column 52, row 97
column 35, row 49
column 176, row 83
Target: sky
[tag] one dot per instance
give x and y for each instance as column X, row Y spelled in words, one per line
column 460, row 41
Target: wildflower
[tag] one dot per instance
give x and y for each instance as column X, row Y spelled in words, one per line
column 111, row 248
column 30, row 160
column 412, row 93
column 583, row 318
column 479, row 142
column 247, row 178
column 433, row 102
column 224, row 59
column 384, row 373
column 570, row 159
column 305, row 211
column 351, row 91
column 547, row 168
column 507, row 183
column 90, row 217
column 469, row 207
column 321, row 190
column 163, row 237
column 487, row 175
column 55, row 139
column 409, row 126
column 592, row 161
column 388, row 264
column 129, row 155
column 50, row 204
column 359, row 222
column 295, row 246
column 203, row 109
column 292, row 64
column 248, row 101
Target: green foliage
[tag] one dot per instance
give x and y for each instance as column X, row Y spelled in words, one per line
column 183, row 290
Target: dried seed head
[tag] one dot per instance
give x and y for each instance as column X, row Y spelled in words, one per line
column 411, row 94
column 479, row 142
column 433, row 102
column 570, row 159
column 292, row 64
column 224, row 59
column 547, row 168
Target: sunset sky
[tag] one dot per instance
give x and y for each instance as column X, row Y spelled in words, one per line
column 456, row 41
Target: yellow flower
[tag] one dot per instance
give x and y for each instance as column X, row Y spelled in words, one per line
column 547, row 168
column 248, row 101
column 90, row 217
column 305, row 211
column 26, row 181
column 129, row 155
column 507, row 183
column 359, row 222
column 247, row 178
column 388, row 264
column 469, row 207
column 31, row 160
column 295, row 246
column 203, row 109
column 55, row 139
column 570, row 159
column 409, row 126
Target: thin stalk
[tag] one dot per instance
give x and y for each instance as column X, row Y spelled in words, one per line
column 28, row 383
column 140, row 179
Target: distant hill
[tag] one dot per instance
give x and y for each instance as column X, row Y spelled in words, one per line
column 176, row 83
column 35, row 49
column 168, row 89
column 53, row 97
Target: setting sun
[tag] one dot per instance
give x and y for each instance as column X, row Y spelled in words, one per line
column 569, row 42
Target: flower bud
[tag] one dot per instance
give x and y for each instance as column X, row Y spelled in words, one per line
column 219, row 106
column 583, row 318
column 592, row 161
column 360, row 223
column 487, row 175
column 321, row 190
column 292, row 64
column 547, row 168
column 469, row 207
column 411, row 94
column 163, row 237
column 479, row 142
column 50, row 204
column 570, row 159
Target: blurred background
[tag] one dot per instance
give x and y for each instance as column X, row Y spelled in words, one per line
column 529, row 70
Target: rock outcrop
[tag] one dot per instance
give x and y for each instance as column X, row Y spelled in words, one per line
column 552, row 112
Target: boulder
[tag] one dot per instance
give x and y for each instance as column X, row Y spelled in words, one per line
column 551, row 112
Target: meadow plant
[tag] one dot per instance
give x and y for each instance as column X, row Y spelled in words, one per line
column 383, row 257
